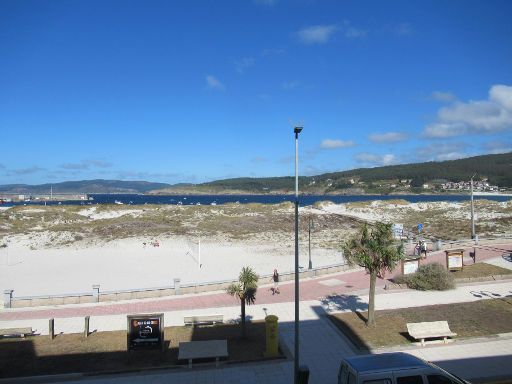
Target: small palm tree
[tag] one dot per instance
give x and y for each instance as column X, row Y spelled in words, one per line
column 376, row 251
column 245, row 290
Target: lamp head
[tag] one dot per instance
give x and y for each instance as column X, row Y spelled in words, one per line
column 297, row 130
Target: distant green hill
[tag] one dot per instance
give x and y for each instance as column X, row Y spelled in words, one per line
column 84, row 186
column 497, row 169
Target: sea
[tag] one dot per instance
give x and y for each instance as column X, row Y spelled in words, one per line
column 304, row 200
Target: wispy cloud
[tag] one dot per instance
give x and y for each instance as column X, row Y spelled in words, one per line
column 87, row 164
column 388, row 137
column 259, row 159
column 25, row 171
column 265, row 3
column 243, row 64
column 474, row 117
column 2, row 166
column 316, row 34
column 335, row 144
column 501, row 146
column 272, row 52
column 441, row 151
column 354, row 33
column 213, row 83
column 371, row 159
column 402, row 29
column 442, row 96
column 291, row 84
column 148, row 176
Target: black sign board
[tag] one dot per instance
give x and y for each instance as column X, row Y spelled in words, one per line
column 145, row 331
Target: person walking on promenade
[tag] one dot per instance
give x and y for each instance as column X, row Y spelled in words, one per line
column 275, row 279
column 423, row 248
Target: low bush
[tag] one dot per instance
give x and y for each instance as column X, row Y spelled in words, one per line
column 431, row 277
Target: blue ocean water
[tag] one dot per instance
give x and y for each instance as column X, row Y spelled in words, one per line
column 135, row 199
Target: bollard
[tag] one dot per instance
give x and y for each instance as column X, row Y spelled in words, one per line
column 272, row 339
column 8, row 298
column 439, row 245
column 303, row 375
column 177, row 286
column 476, row 239
column 96, row 292
column 86, row 326
column 51, row 329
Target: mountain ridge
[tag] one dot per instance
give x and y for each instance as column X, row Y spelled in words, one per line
column 495, row 168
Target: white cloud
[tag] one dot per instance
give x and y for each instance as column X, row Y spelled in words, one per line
column 442, row 96
column 375, row 160
column 334, row 144
column 388, row 137
column 243, row 64
column 474, row 117
column 317, row 34
column 213, row 83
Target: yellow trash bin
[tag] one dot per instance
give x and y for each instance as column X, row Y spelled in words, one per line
column 272, row 336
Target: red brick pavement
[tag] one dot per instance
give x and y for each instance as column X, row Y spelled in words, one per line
column 311, row 289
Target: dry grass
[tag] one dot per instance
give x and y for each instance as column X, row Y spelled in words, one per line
column 267, row 222
column 476, row 319
column 106, row 351
column 54, row 226
column 480, row 270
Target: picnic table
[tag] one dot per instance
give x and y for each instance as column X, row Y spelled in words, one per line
column 190, row 350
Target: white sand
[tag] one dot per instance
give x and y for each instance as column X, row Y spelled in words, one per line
column 126, row 264
column 30, row 268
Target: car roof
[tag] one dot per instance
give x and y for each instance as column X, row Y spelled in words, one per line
column 385, row 361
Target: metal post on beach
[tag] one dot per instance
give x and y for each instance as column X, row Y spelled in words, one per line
column 310, row 227
column 296, row 130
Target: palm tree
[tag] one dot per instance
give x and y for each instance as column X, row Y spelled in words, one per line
column 245, row 290
column 375, row 250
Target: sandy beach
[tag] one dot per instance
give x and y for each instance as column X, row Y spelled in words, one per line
column 58, row 250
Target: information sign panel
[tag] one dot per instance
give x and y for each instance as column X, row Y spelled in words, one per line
column 145, row 331
column 454, row 259
column 398, row 230
column 410, row 266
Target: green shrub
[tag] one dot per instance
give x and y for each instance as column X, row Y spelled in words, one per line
column 431, row 277
column 401, row 279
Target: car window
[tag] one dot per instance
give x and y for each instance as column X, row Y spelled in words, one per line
column 342, row 375
column 438, row 379
column 377, row 381
column 409, row 380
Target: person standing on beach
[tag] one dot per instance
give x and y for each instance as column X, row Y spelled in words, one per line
column 275, row 279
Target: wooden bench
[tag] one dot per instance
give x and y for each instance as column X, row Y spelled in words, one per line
column 202, row 350
column 203, row 319
column 20, row 332
column 430, row 329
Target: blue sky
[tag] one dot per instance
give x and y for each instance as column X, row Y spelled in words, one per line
column 192, row 91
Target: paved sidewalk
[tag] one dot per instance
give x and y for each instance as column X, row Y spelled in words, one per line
column 322, row 345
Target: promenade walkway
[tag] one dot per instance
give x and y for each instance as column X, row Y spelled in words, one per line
column 322, row 345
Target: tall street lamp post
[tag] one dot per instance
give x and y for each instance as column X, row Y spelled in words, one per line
column 310, row 227
column 473, row 234
column 296, row 130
